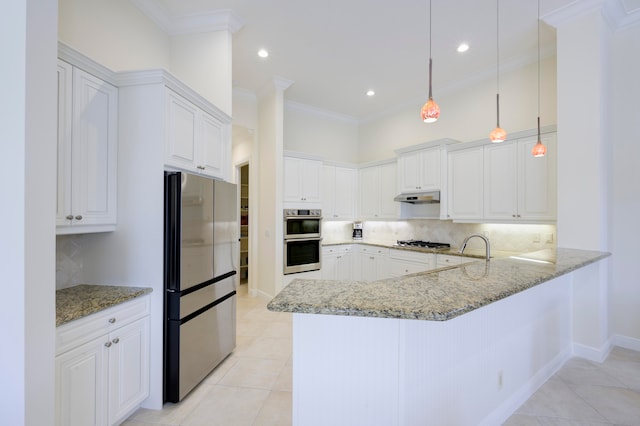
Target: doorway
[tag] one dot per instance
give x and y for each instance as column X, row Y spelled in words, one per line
column 244, row 224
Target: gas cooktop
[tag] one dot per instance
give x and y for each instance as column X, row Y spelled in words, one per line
column 418, row 243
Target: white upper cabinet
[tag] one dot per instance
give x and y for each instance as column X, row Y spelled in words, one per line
column 339, row 186
column 465, row 185
column 500, row 181
column 87, row 152
column 302, row 180
column 419, row 171
column 196, row 141
column 377, row 189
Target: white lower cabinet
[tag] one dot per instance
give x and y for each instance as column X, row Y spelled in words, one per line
column 444, row 260
column 337, row 263
column 403, row 262
column 372, row 263
column 102, row 365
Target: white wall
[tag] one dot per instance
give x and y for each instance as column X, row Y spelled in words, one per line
column 113, row 33
column 328, row 136
column 624, row 138
column 28, row 123
column 467, row 113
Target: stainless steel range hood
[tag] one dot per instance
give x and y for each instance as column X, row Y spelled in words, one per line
column 431, row 197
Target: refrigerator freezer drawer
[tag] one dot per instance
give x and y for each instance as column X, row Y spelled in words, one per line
column 197, row 346
column 191, row 302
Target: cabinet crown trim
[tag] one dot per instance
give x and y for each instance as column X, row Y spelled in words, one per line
column 78, row 60
column 425, row 145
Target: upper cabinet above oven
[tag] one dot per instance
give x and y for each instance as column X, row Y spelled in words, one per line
column 302, row 182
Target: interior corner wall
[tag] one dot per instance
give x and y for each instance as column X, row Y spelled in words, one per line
column 330, row 138
column 467, row 112
column 625, row 229
column 211, row 78
column 115, row 34
column 28, row 123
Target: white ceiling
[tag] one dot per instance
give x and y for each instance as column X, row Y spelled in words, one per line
column 335, row 50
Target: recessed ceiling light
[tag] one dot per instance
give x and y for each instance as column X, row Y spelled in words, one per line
column 463, row 47
column 370, row 93
column 263, row 53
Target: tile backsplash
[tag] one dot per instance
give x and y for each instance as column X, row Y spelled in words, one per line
column 68, row 261
column 510, row 238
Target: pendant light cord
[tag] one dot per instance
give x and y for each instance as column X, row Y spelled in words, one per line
column 538, row 25
column 430, row 94
column 498, row 62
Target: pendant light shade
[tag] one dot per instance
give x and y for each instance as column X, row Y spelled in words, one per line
column 498, row 134
column 539, row 150
column 430, row 111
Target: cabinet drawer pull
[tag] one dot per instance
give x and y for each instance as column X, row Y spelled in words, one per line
column 79, row 217
column 112, row 320
column 69, row 217
column 108, row 344
column 116, row 340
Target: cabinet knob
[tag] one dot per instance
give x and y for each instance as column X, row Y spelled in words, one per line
column 79, row 217
column 200, row 167
column 108, row 344
column 116, row 340
column 371, row 257
column 69, row 217
column 518, row 215
column 112, row 320
column 513, row 215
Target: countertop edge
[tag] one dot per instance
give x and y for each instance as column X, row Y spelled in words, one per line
column 73, row 303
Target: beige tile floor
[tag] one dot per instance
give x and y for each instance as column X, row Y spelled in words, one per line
column 253, row 385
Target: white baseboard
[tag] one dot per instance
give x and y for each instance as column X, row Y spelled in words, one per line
column 515, row 401
column 626, row 342
column 591, row 353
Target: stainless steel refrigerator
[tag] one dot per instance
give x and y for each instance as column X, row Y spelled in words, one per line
column 200, row 260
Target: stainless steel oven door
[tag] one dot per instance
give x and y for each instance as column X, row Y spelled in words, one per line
column 302, row 255
column 302, row 227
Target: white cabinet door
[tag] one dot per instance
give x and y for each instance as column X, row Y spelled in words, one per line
column 373, row 263
column 466, row 184
column 339, row 186
column 128, row 368
column 181, row 132
column 337, row 263
column 345, row 266
column 500, row 181
column 87, row 152
column 419, row 171
column 213, row 147
column 94, row 140
column 377, row 189
column 302, row 180
column 64, row 212
column 389, row 209
column 537, row 180
column 81, row 384
column 195, row 140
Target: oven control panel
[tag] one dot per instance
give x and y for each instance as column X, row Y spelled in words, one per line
column 303, row 212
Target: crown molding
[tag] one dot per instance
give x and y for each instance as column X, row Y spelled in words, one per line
column 219, row 20
column 615, row 12
column 297, row 106
column 79, row 60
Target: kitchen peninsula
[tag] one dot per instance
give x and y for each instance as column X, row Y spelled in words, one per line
column 461, row 345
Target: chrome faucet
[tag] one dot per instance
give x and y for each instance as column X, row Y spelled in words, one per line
column 486, row 242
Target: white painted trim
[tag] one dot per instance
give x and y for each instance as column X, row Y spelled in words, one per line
column 590, row 353
column 292, row 105
column 217, row 20
column 377, row 163
column 626, row 342
column 79, row 60
column 508, row 407
column 303, row 155
column 340, row 164
column 614, row 13
column 424, row 145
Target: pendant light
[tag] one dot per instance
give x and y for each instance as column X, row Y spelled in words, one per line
column 539, row 150
column 498, row 134
column 430, row 111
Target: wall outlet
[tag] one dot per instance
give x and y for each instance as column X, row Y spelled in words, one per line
column 500, row 380
column 536, row 238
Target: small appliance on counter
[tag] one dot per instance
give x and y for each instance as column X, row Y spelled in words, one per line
column 357, row 230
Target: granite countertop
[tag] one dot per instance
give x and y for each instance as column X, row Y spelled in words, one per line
column 436, row 295
column 76, row 302
column 449, row 251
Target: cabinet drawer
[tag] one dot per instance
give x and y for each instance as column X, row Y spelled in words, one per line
column 411, row 256
column 333, row 250
column 443, row 260
column 78, row 332
column 401, row 267
column 374, row 250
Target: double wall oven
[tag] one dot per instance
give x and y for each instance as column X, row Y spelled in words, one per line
column 302, row 240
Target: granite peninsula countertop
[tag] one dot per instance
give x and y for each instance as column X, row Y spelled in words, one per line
column 436, row 295
column 76, row 302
